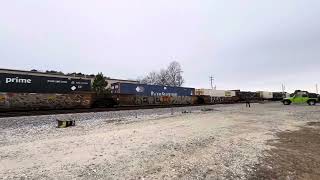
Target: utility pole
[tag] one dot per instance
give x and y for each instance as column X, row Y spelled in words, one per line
column 211, row 81
column 317, row 90
column 283, row 89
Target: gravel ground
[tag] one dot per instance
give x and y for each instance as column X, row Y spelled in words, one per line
column 295, row 155
column 225, row 143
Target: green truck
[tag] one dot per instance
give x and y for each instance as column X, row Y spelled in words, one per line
column 301, row 97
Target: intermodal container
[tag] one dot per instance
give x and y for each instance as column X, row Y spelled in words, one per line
column 25, row 83
column 150, row 90
column 215, row 93
column 279, row 95
column 265, row 95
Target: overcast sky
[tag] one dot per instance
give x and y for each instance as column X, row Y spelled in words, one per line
column 245, row 44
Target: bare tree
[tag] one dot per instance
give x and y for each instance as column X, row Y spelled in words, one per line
column 174, row 73
column 171, row 76
column 151, row 78
column 162, row 78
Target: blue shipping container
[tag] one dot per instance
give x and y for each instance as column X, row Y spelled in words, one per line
column 150, row 90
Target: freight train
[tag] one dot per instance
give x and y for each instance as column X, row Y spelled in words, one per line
column 25, row 90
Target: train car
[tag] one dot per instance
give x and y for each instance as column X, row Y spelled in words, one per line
column 247, row 95
column 26, row 90
column 265, row 95
column 151, row 90
column 16, row 81
column 136, row 100
column 44, row 101
column 203, row 99
column 215, row 93
column 212, row 96
column 278, row 96
column 143, row 94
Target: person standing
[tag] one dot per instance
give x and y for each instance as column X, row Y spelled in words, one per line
column 248, row 103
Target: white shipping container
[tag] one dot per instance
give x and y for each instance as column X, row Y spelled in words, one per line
column 266, row 94
column 287, row 95
column 215, row 93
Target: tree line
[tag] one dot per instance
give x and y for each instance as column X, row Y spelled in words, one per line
column 170, row 76
column 74, row 74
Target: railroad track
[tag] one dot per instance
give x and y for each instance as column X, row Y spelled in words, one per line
column 76, row 111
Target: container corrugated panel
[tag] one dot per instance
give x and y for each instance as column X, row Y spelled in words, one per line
column 136, row 100
column 35, row 101
column 245, row 95
column 151, row 90
column 265, row 94
column 215, row 93
column 217, row 100
column 279, row 95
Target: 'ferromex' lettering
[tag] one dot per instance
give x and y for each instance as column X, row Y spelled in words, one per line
column 18, row 80
column 163, row 94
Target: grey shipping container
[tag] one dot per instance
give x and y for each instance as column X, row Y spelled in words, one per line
column 150, row 90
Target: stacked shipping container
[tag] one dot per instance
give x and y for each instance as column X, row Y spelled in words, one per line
column 150, row 90
column 265, row 95
column 143, row 94
column 215, row 93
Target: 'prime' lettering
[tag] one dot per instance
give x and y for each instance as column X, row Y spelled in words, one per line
column 18, row 80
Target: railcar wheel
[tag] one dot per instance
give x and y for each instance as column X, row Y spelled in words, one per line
column 286, row 102
column 312, row 102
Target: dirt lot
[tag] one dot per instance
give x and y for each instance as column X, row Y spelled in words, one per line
column 295, row 155
column 267, row 141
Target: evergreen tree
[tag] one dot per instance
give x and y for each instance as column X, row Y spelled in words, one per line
column 100, row 85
